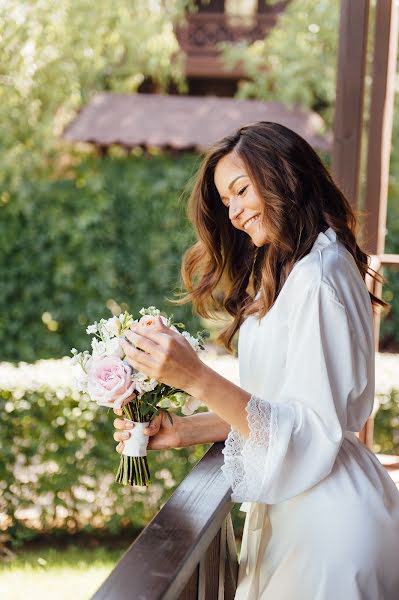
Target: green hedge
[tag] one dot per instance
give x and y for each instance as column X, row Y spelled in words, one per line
column 59, row 462
column 111, row 235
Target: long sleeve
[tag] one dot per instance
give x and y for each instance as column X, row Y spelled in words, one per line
column 295, row 437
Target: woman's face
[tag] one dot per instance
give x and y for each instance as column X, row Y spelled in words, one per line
column 238, row 194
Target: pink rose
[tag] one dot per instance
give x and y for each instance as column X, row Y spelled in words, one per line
column 109, row 381
column 150, row 321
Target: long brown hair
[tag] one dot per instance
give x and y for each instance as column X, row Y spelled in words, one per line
column 224, row 270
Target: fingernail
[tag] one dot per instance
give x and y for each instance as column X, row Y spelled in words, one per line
column 128, row 424
column 125, row 435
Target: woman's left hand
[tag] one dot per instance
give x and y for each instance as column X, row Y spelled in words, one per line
column 163, row 354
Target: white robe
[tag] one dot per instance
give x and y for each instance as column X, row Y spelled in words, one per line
column 322, row 513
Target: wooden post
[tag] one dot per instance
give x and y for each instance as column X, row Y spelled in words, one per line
column 380, row 124
column 380, row 131
column 378, row 153
column 349, row 100
column 208, row 581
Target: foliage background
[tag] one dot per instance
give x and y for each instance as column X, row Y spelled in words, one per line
column 81, row 235
column 59, row 464
column 108, row 238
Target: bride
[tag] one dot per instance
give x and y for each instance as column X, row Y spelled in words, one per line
column 277, row 242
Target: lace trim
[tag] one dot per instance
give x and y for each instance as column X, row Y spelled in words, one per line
column 248, row 462
column 233, row 467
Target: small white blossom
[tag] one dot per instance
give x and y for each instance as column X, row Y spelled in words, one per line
column 151, row 310
column 80, row 383
column 99, row 348
column 194, row 343
column 143, row 383
column 75, row 359
column 91, row 329
column 114, row 348
column 112, row 326
column 190, row 406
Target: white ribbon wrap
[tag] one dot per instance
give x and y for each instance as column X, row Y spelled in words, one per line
column 137, row 443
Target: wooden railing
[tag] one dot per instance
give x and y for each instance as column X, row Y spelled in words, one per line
column 188, row 551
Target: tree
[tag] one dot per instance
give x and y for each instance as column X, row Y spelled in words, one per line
column 296, row 62
column 56, row 55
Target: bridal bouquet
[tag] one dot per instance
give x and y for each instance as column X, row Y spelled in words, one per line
column 110, row 381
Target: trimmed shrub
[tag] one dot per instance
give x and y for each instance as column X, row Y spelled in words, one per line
column 59, row 463
column 72, row 251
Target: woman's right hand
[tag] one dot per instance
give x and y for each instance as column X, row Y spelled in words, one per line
column 162, row 433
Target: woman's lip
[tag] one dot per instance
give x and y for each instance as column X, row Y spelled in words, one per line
column 254, row 217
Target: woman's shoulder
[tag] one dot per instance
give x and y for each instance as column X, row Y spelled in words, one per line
column 331, row 266
column 333, row 269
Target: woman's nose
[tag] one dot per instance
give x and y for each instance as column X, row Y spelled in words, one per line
column 234, row 209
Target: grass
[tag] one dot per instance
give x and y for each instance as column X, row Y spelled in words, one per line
column 66, row 572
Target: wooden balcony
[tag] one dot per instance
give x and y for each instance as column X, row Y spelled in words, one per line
column 188, row 551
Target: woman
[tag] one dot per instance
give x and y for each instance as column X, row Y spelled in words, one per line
column 277, row 249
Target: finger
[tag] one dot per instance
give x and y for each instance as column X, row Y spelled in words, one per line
column 121, row 436
column 158, row 337
column 139, row 360
column 118, row 411
column 120, row 447
column 142, row 341
column 123, row 424
column 154, row 426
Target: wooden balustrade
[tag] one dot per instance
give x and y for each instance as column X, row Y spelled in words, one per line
column 188, row 551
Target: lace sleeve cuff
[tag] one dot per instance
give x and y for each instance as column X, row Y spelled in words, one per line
column 247, row 462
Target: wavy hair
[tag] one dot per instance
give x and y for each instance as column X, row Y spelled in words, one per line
column 224, row 270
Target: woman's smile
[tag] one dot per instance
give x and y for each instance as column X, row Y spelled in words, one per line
column 250, row 222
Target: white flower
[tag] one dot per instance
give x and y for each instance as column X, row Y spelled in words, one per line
column 144, row 383
column 80, row 383
column 112, row 326
column 194, row 343
column 81, row 358
column 76, row 358
column 190, row 406
column 91, row 329
column 151, row 310
column 98, row 348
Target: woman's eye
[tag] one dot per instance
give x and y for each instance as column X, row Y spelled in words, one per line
column 242, row 190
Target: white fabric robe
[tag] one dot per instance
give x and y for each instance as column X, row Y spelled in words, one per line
column 322, row 513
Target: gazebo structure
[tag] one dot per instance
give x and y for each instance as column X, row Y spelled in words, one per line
column 190, row 541
column 181, row 123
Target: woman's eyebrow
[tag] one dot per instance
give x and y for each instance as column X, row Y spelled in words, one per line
column 234, row 180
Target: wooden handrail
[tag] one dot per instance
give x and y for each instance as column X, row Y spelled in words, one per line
column 188, row 550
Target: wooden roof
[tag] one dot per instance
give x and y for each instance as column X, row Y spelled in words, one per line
column 181, row 122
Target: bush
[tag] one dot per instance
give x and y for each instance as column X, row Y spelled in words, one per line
column 108, row 238
column 386, row 430
column 59, row 463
